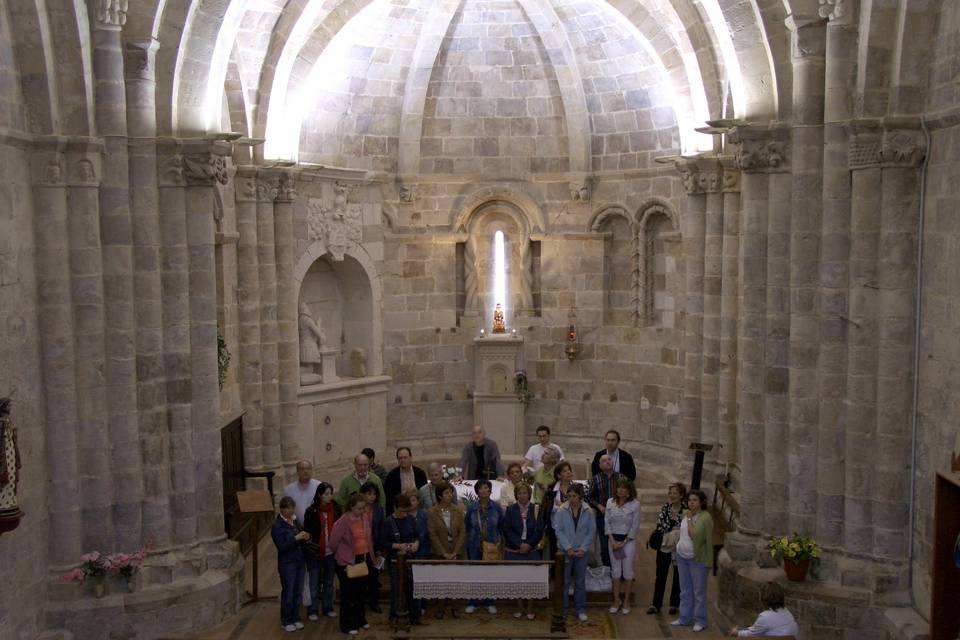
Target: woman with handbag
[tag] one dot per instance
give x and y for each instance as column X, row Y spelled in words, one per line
column 521, row 534
column 694, row 559
column 671, row 514
column 447, row 533
column 622, row 520
column 483, row 532
column 321, row 566
column 352, row 547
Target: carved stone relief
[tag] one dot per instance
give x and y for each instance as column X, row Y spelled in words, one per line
column 205, row 169
column 339, row 226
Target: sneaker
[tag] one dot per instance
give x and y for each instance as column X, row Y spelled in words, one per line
column 331, row 614
column 698, row 627
column 298, row 625
column 517, row 615
column 290, row 627
column 582, row 617
column 677, row 623
column 531, row 616
column 366, row 626
column 652, row 609
column 313, row 617
column 614, row 608
column 625, row 610
column 470, row 608
column 353, row 632
column 492, row 610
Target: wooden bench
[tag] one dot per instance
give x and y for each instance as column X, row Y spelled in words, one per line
column 725, row 511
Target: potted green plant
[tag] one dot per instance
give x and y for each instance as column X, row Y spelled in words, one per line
column 797, row 552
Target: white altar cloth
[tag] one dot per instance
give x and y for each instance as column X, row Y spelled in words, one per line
column 476, row 581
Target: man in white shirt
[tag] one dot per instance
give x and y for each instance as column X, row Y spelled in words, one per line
column 303, row 490
column 535, row 452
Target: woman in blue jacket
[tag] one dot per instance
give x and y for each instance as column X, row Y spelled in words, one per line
column 521, row 535
column 289, row 538
column 483, row 525
column 575, row 527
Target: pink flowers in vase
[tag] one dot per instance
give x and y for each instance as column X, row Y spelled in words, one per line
column 97, row 565
column 125, row 565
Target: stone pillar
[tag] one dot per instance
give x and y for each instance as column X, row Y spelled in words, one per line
column 175, row 283
column 269, row 358
column 147, row 292
column 729, row 310
column 87, row 284
column 808, row 38
column 248, row 296
column 711, row 172
column 762, row 158
column 287, row 334
column 862, row 340
column 58, row 355
column 116, row 234
column 841, row 41
column 693, row 230
column 205, row 167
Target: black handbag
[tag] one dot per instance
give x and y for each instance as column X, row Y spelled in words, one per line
column 656, row 540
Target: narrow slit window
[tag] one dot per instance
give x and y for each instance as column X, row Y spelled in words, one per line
column 499, row 272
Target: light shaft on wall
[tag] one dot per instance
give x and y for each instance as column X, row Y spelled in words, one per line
column 499, row 273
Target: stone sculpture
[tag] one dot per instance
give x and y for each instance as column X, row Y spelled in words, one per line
column 312, row 343
column 358, row 363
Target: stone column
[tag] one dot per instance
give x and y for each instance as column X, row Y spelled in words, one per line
column 176, row 342
column 841, row 47
column 711, row 172
column 287, row 334
column 248, row 296
column 862, row 339
column 147, row 292
column 58, row 355
column 729, row 310
column 116, row 233
column 269, row 358
column 808, row 40
column 693, row 230
column 762, row 158
column 205, row 167
column 87, row 284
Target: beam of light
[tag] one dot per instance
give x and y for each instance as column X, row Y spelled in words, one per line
column 499, row 272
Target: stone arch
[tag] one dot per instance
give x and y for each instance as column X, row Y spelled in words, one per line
column 522, row 204
column 645, row 256
column 318, row 250
column 606, row 211
column 656, row 206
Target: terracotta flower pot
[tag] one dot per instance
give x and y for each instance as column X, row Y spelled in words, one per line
column 796, row 571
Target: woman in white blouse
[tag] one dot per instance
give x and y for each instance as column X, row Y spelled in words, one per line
column 622, row 519
column 775, row 620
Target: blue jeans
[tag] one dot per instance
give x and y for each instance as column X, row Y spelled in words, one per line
column 321, row 572
column 693, row 591
column 291, row 591
column 395, row 593
column 578, row 567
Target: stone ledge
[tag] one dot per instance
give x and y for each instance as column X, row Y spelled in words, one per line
column 905, row 623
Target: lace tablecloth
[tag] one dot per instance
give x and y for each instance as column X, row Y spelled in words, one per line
column 466, row 581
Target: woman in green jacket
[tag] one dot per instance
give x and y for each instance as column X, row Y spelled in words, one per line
column 694, row 560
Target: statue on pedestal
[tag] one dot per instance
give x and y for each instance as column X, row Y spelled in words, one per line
column 499, row 326
column 312, row 339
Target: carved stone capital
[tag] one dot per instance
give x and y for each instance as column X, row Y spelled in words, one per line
column 833, row 10
column 700, row 174
column 285, row 191
column 48, row 169
column 407, row 193
column 139, row 57
column 762, row 149
column 84, row 170
column 170, row 170
column 885, row 145
column 580, row 191
column 245, row 184
column 111, row 13
column 205, row 169
column 731, row 174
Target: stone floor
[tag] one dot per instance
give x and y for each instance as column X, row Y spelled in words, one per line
column 260, row 621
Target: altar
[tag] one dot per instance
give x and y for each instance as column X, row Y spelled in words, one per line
column 496, row 406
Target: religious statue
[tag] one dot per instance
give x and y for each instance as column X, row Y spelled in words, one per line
column 358, row 363
column 498, row 324
column 312, row 341
column 10, row 513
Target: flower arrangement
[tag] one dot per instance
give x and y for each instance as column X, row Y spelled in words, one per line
column 92, row 565
column 521, row 386
column 450, row 473
column 125, row 565
column 795, row 548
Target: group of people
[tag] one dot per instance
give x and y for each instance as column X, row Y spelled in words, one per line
column 358, row 530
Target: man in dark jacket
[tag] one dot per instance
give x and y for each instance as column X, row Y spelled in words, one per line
column 481, row 457
column 403, row 477
column 622, row 461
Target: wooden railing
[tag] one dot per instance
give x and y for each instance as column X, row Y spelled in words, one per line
column 723, row 503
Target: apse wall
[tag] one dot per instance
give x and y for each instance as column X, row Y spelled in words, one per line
column 939, row 410
column 24, row 550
